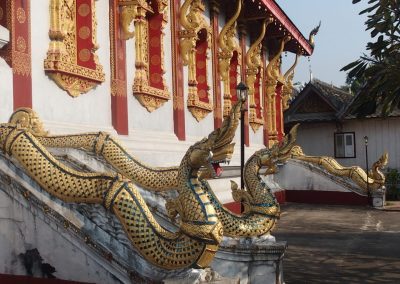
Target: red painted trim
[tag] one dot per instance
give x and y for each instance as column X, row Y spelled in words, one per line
column 280, row 196
column 119, row 103
column 84, row 20
column 235, row 207
column 201, row 70
column 326, row 197
column 278, row 112
column 22, row 91
column 257, row 94
column 154, row 46
column 22, row 76
column 18, row 279
column 177, row 74
column 233, row 82
column 265, row 100
column 215, row 71
column 243, row 78
column 280, row 15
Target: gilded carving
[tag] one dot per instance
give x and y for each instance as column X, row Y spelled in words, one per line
column 274, row 77
column 195, row 30
column 371, row 181
column 287, row 90
column 200, row 230
column 72, row 64
column 254, row 67
column 21, row 16
column 228, row 44
column 151, row 91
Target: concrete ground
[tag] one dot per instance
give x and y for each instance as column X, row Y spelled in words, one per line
column 339, row 244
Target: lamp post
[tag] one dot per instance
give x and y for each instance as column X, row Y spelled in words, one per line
column 366, row 163
column 241, row 93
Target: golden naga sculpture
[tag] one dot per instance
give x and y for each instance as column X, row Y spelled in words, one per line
column 151, row 96
column 228, row 44
column 195, row 30
column 287, row 90
column 374, row 180
column 103, row 144
column 313, row 33
column 194, row 245
column 261, row 209
column 274, row 77
column 254, row 66
column 71, row 60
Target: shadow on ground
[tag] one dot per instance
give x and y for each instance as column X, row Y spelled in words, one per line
column 339, row 244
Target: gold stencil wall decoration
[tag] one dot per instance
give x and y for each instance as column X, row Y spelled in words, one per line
column 194, row 47
column 228, row 44
column 71, row 60
column 287, row 90
column 274, row 78
column 253, row 74
column 149, row 18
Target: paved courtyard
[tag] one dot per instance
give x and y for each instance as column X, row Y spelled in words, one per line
column 340, row 244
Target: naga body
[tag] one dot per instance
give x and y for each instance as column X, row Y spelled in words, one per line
column 261, row 209
column 255, row 222
column 372, row 180
column 200, row 231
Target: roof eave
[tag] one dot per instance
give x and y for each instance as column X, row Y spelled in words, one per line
column 280, row 15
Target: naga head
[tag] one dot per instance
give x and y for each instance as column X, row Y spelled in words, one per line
column 27, row 119
column 279, row 152
column 217, row 147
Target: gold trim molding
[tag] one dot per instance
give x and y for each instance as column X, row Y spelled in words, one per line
column 274, row 77
column 228, row 44
column 287, row 89
column 254, row 67
column 138, row 11
column 61, row 61
column 193, row 22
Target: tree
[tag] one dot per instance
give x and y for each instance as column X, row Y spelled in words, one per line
column 377, row 76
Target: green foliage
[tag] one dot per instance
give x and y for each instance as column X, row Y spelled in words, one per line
column 392, row 184
column 376, row 77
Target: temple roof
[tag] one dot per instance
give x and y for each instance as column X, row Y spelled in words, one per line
column 282, row 26
column 318, row 101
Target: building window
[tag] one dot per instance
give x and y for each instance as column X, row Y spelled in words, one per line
column 345, row 145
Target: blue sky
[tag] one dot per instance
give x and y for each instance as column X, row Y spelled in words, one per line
column 341, row 39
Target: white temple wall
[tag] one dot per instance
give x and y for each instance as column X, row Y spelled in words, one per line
column 6, row 91
column 317, row 139
column 90, row 110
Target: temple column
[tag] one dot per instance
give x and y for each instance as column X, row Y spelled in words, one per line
column 278, row 114
column 215, row 72
column 16, row 18
column 177, row 74
column 242, row 40
column 264, row 97
column 119, row 105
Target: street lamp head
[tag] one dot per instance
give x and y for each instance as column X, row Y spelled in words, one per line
column 241, row 91
column 366, row 140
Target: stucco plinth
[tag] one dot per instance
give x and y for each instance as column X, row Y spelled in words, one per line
column 255, row 260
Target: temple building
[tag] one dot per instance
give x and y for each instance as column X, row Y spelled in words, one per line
column 158, row 75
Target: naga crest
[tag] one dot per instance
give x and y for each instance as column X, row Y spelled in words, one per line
column 279, row 152
column 313, row 33
column 218, row 147
column 27, row 119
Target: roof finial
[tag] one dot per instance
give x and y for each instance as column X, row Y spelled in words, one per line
column 313, row 33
